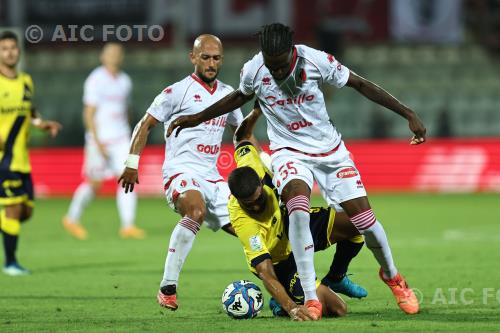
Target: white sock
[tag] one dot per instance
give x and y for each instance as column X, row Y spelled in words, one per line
column 81, row 198
column 376, row 241
column 126, row 203
column 181, row 241
column 302, row 244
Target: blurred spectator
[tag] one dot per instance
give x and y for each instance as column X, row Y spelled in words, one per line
column 379, row 125
column 339, row 20
column 443, row 126
column 427, row 21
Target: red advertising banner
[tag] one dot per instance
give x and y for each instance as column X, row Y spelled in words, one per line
column 457, row 165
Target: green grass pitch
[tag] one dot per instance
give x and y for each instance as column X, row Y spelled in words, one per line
column 446, row 245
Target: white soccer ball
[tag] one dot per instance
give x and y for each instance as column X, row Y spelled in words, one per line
column 242, row 300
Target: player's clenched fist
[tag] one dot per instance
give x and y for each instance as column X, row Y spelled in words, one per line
column 300, row 313
column 418, row 128
column 181, row 123
column 129, row 178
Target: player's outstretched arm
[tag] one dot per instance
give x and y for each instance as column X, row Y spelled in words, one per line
column 244, row 132
column 225, row 105
column 49, row 126
column 265, row 270
column 130, row 176
column 378, row 95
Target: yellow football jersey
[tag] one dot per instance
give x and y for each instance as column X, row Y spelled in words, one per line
column 262, row 235
column 15, row 118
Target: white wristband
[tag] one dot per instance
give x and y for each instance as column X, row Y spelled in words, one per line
column 36, row 121
column 132, row 161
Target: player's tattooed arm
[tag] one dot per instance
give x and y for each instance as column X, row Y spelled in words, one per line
column 380, row 96
column 130, row 176
column 225, row 105
column 265, row 271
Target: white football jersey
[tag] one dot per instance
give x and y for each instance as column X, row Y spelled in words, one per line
column 196, row 149
column 110, row 96
column 295, row 107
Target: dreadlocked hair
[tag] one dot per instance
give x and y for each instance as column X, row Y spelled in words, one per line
column 275, row 39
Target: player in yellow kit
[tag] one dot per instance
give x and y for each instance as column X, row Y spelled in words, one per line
column 17, row 114
column 261, row 225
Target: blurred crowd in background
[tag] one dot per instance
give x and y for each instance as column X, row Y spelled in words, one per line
column 440, row 57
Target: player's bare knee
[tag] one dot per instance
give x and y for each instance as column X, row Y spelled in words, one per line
column 14, row 211
column 196, row 213
column 294, row 188
column 96, row 185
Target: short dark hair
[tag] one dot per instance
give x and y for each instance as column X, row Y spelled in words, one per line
column 243, row 182
column 275, row 39
column 7, row 34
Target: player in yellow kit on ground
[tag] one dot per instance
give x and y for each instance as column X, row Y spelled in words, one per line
column 262, row 227
column 17, row 114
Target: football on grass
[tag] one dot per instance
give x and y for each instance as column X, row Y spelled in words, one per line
column 242, row 300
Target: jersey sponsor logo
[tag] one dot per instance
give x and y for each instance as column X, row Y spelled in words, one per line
column 21, row 110
column 266, row 81
column 243, row 151
column 308, row 247
column 296, row 125
column 219, row 121
column 331, row 59
column 255, row 243
column 171, row 250
column 286, row 101
column 208, row 149
column 197, row 98
column 347, row 173
column 359, row 183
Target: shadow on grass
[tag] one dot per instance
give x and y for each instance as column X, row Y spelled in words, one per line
column 84, row 266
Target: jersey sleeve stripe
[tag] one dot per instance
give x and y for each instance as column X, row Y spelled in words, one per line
column 257, row 260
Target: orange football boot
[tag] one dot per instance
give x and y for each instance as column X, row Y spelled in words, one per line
column 315, row 308
column 405, row 297
column 132, row 232
column 167, row 301
column 74, row 228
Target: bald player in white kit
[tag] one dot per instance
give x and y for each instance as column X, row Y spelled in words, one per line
column 106, row 99
column 193, row 186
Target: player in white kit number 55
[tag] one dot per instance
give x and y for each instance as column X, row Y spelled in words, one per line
column 287, row 79
column 192, row 183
